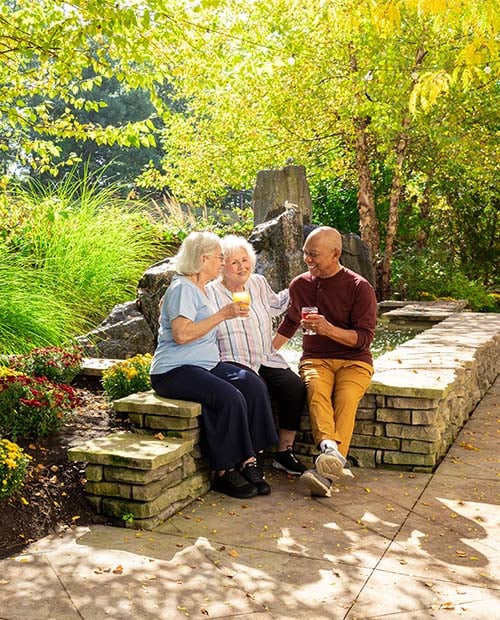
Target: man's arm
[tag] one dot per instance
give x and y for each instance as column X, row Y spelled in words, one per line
column 347, row 337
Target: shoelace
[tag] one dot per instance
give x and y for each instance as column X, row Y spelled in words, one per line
column 292, row 455
column 253, row 472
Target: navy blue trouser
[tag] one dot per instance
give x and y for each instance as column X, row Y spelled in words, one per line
column 236, row 418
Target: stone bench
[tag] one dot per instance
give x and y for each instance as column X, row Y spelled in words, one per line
column 149, row 412
column 423, row 392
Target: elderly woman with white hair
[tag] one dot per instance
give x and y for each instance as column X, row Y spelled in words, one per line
column 248, row 342
column 237, row 421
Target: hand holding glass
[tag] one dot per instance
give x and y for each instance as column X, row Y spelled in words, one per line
column 243, row 298
column 305, row 314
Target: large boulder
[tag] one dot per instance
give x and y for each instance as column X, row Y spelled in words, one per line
column 151, row 288
column 123, row 334
column 276, row 190
column 278, row 245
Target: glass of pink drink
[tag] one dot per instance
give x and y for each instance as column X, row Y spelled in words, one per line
column 306, row 311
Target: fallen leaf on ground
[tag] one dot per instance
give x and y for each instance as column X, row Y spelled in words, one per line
column 468, row 446
column 447, row 605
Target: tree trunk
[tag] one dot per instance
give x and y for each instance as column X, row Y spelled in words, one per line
column 368, row 224
column 392, row 219
column 384, row 283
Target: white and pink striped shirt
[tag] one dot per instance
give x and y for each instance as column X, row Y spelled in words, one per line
column 249, row 341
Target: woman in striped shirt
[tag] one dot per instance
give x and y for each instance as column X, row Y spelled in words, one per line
column 248, row 342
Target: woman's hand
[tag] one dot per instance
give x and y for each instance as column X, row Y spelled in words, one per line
column 184, row 330
column 235, row 310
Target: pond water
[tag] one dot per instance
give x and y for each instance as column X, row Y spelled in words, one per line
column 386, row 339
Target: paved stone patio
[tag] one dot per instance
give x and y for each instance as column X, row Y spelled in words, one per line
column 388, row 544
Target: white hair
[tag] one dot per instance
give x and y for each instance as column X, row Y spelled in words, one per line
column 194, row 246
column 232, row 243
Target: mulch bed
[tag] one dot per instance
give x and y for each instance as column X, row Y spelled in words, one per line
column 52, row 497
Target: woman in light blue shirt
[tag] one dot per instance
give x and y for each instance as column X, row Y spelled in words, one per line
column 237, row 421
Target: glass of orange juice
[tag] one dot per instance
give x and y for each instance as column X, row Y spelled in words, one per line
column 243, row 298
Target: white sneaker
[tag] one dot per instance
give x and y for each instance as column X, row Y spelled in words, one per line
column 330, row 463
column 317, row 485
column 347, row 473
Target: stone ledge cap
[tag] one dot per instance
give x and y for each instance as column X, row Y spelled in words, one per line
column 130, row 450
column 150, row 402
column 420, row 383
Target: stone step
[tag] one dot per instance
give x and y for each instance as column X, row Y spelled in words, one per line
column 424, row 312
column 150, row 403
column 141, row 476
column 132, row 450
column 95, row 366
column 148, row 515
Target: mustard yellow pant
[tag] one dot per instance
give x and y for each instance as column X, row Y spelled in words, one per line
column 334, row 389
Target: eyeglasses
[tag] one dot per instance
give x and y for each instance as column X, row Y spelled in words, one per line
column 219, row 256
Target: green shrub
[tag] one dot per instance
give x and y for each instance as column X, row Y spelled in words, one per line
column 127, row 377
column 33, row 406
column 13, row 467
column 431, row 275
column 335, row 204
column 56, row 364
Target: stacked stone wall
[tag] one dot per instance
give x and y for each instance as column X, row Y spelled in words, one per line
column 421, row 395
column 140, row 478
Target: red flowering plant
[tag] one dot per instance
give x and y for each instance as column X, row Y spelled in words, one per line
column 60, row 365
column 33, row 406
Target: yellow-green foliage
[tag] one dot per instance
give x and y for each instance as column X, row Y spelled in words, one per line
column 127, row 377
column 13, row 466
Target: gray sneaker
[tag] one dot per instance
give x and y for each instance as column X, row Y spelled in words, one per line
column 330, row 463
column 317, row 484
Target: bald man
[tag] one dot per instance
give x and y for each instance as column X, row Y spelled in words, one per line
column 336, row 364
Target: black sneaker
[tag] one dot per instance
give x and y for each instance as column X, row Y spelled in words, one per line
column 287, row 461
column 232, row 483
column 252, row 473
column 260, row 462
